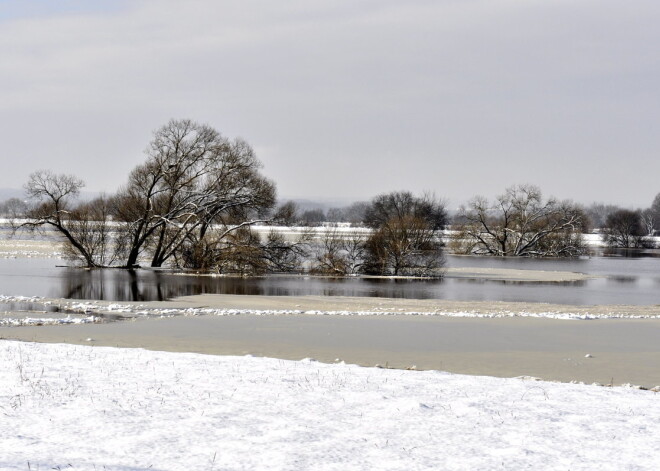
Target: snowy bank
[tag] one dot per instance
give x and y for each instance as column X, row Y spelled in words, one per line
column 233, row 305
column 85, row 408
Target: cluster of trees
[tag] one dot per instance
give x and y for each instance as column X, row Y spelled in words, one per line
column 506, row 225
column 520, row 223
column 626, row 228
column 185, row 205
column 13, row 207
column 295, row 214
column 404, row 238
column 194, row 202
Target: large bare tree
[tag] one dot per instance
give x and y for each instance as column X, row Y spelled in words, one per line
column 520, row 223
column 192, row 181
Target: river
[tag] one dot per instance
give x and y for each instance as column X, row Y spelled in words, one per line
column 620, row 280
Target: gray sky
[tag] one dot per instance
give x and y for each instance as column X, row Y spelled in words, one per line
column 342, row 98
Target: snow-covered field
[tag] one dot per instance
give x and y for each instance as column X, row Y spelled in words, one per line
column 70, row 407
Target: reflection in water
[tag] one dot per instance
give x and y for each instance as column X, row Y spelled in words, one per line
column 631, row 253
column 147, row 285
column 20, row 306
column 623, row 281
column 122, row 285
column 520, row 282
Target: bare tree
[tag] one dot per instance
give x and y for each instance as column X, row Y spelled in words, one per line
column 286, row 214
column 194, row 180
column 337, row 253
column 13, row 208
column 89, row 224
column 335, row 215
column 397, row 205
column 312, row 217
column 406, row 235
column 193, row 183
column 54, row 206
column 240, row 252
column 648, row 217
column 353, row 214
column 598, row 212
column 244, row 252
column 520, row 223
column 353, row 246
column 655, row 211
column 404, row 246
column 624, row 229
column 328, row 258
column 285, row 255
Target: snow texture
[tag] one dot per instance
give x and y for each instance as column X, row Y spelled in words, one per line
column 92, row 310
column 97, row 408
column 35, row 321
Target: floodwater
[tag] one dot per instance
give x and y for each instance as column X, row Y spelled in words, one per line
column 622, row 280
column 620, row 351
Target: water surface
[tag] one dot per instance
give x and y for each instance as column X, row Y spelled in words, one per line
column 624, row 280
column 620, row 351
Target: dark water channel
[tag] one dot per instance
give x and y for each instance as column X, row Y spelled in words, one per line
column 625, row 280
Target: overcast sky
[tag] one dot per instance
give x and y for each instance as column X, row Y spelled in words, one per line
column 344, row 99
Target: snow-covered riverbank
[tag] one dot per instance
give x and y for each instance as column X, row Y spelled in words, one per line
column 48, row 311
column 85, row 408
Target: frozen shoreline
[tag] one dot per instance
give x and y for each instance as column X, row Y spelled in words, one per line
column 392, row 306
column 81, row 311
column 472, row 338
